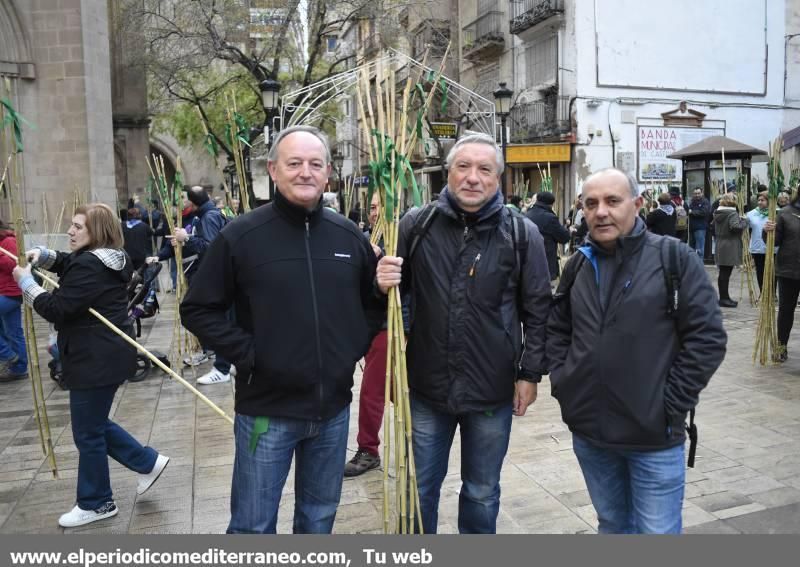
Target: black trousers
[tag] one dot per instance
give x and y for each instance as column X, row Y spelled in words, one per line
column 723, row 280
column 788, row 292
column 758, row 260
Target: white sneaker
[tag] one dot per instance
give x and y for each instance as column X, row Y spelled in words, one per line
column 214, row 377
column 147, row 480
column 196, row 359
column 232, row 371
column 78, row 517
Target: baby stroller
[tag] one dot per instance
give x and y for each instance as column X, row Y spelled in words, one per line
column 143, row 304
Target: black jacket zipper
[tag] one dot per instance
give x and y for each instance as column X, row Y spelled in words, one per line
column 316, row 317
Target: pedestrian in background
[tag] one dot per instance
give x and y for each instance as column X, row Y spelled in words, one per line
column 13, row 353
column 728, row 227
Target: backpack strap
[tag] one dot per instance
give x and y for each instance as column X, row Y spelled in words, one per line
column 519, row 236
column 671, row 264
column 568, row 275
column 421, row 225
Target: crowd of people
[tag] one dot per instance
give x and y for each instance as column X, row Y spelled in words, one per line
column 291, row 296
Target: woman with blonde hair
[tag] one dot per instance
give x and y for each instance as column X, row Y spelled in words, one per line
column 728, row 227
column 95, row 360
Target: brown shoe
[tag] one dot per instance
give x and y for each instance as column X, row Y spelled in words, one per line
column 361, row 462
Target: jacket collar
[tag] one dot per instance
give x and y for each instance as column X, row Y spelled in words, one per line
column 626, row 245
column 447, row 205
column 295, row 213
column 204, row 208
column 543, row 206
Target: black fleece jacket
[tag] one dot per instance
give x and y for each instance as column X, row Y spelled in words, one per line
column 301, row 283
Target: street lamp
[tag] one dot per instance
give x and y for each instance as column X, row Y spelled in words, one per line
column 502, row 105
column 270, row 90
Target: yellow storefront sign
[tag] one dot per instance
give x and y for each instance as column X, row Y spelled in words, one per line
column 542, row 154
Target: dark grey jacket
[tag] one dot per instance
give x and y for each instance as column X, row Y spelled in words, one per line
column 787, row 236
column 728, row 227
column 469, row 306
column 626, row 374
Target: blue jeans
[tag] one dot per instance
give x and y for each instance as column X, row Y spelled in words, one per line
column 319, row 448
column 484, row 442
column 634, row 492
column 12, row 339
column 698, row 241
column 98, row 438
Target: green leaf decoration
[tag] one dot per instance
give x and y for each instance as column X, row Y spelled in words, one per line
column 15, row 120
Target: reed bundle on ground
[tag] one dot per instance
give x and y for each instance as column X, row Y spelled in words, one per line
column 396, row 127
column 13, row 145
column 767, row 349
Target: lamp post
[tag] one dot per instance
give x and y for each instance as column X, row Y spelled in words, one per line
column 502, row 104
column 270, row 90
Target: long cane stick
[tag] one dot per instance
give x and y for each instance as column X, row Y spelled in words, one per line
column 140, row 348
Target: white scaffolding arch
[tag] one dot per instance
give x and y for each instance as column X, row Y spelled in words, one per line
column 474, row 112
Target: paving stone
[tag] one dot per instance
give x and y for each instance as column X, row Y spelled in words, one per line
column 739, row 510
column 715, row 527
column 779, row 520
column 720, row 501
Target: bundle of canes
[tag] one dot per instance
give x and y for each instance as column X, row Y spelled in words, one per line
column 236, row 134
column 393, row 138
column 748, row 265
column 10, row 179
column 767, row 349
column 213, row 149
column 171, row 198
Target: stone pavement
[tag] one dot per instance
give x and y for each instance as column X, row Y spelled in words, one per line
column 746, row 480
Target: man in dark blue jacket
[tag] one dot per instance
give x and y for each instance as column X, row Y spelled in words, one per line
column 624, row 370
column 476, row 347
column 300, row 279
column 699, row 214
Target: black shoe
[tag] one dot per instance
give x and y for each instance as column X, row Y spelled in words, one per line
column 783, row 356
column 361, row 462
column 728, row 303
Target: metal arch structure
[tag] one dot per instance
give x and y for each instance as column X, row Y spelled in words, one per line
column 476, row 113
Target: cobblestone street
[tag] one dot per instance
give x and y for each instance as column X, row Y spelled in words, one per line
column 746, row 480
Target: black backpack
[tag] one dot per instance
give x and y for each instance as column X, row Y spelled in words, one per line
column 519, row 236
column 671, row 265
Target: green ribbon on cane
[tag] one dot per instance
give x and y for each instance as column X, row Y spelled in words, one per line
column 260, row 427
column 16, row 120
column 211, row 145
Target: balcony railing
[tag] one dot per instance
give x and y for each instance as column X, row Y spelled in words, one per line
column 484, row 36
column 528, row 13
column 541, row 119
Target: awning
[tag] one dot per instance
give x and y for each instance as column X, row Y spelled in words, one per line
column 791, row 138
column 711, row 148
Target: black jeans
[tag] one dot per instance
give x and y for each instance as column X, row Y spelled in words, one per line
column 722, row 281
column 758, row 260
column 788, row 292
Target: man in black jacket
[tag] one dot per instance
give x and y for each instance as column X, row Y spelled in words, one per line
column 473, row 292
column 542, row 215
column 624, row 370
column 300, row 279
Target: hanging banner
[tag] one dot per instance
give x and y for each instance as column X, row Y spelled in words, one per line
column 655, row 143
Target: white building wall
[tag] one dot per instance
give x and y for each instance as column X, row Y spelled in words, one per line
column 662, row 53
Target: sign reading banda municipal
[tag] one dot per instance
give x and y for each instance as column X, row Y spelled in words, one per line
column 655, row 143
column 538, row 154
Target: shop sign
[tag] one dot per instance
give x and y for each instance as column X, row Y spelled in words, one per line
column 538, row 153
column 443, row 130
